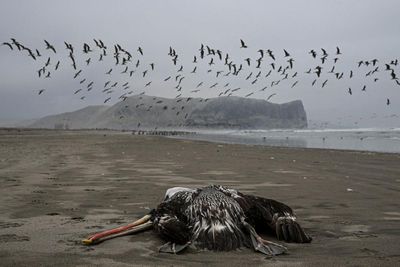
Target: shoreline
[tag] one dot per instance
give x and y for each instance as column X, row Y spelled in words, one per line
column 57, row 188
column 188, row 135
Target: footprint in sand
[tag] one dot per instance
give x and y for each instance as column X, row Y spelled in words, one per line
column 391, row 216
column 13, row 238
column 370, row 252
column 357, row 231
column 94, row 227
column 4, row 225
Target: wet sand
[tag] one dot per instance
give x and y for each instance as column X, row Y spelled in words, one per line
column 56, row 188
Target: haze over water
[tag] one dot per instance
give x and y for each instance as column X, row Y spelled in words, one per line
column 362, row 139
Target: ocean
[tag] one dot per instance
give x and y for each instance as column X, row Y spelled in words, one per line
column 367, row 139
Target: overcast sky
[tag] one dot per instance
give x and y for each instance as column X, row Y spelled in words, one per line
column 364, row 30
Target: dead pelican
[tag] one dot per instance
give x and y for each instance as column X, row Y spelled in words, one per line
column 215, row 218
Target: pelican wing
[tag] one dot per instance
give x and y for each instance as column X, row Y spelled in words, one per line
column 269, row 214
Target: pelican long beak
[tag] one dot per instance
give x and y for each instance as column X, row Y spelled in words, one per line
column 134, row 227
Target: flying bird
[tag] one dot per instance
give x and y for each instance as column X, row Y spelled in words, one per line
column 77, row 74
column 49, row 46
column 57, row 65
column 86, row 48
column 286, row 53
column 242, row 44
column 269, row 97
column 8, row 44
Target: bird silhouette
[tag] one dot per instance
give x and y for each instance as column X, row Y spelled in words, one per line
column 350, row 92
column 140, row 50
column 270, row 96
column 270, row 53
column 86, row 48
column 242, row 44
column 8, row 44
column 77, row 74
column 286, row 53
column 49, row 46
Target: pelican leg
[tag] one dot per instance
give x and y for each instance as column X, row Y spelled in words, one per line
column 173, row 248
column 264, row 246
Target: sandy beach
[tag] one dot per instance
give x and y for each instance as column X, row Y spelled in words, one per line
column 59, row 187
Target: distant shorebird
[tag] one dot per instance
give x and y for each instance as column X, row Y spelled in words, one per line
column 215, row 218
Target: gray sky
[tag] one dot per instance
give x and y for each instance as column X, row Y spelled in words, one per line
column 364, row 30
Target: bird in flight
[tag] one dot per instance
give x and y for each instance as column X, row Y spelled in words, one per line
column 271, row 96
column 77, row 74
column 286, row 53
column 338, row 51
column 49, row 46
column 242, row 44
column 8, row 44
column 140, row 50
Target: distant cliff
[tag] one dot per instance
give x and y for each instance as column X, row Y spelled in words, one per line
column 150, row 112
column 238, row 112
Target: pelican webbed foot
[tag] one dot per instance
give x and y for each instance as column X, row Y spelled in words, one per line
column 264, row 246
column 173, row 248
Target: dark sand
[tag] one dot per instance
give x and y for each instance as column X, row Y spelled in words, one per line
column 59, row 187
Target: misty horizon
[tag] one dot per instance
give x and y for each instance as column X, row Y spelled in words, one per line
column 362, row 33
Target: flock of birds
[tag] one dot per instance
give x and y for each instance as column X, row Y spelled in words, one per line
column 268, row 70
